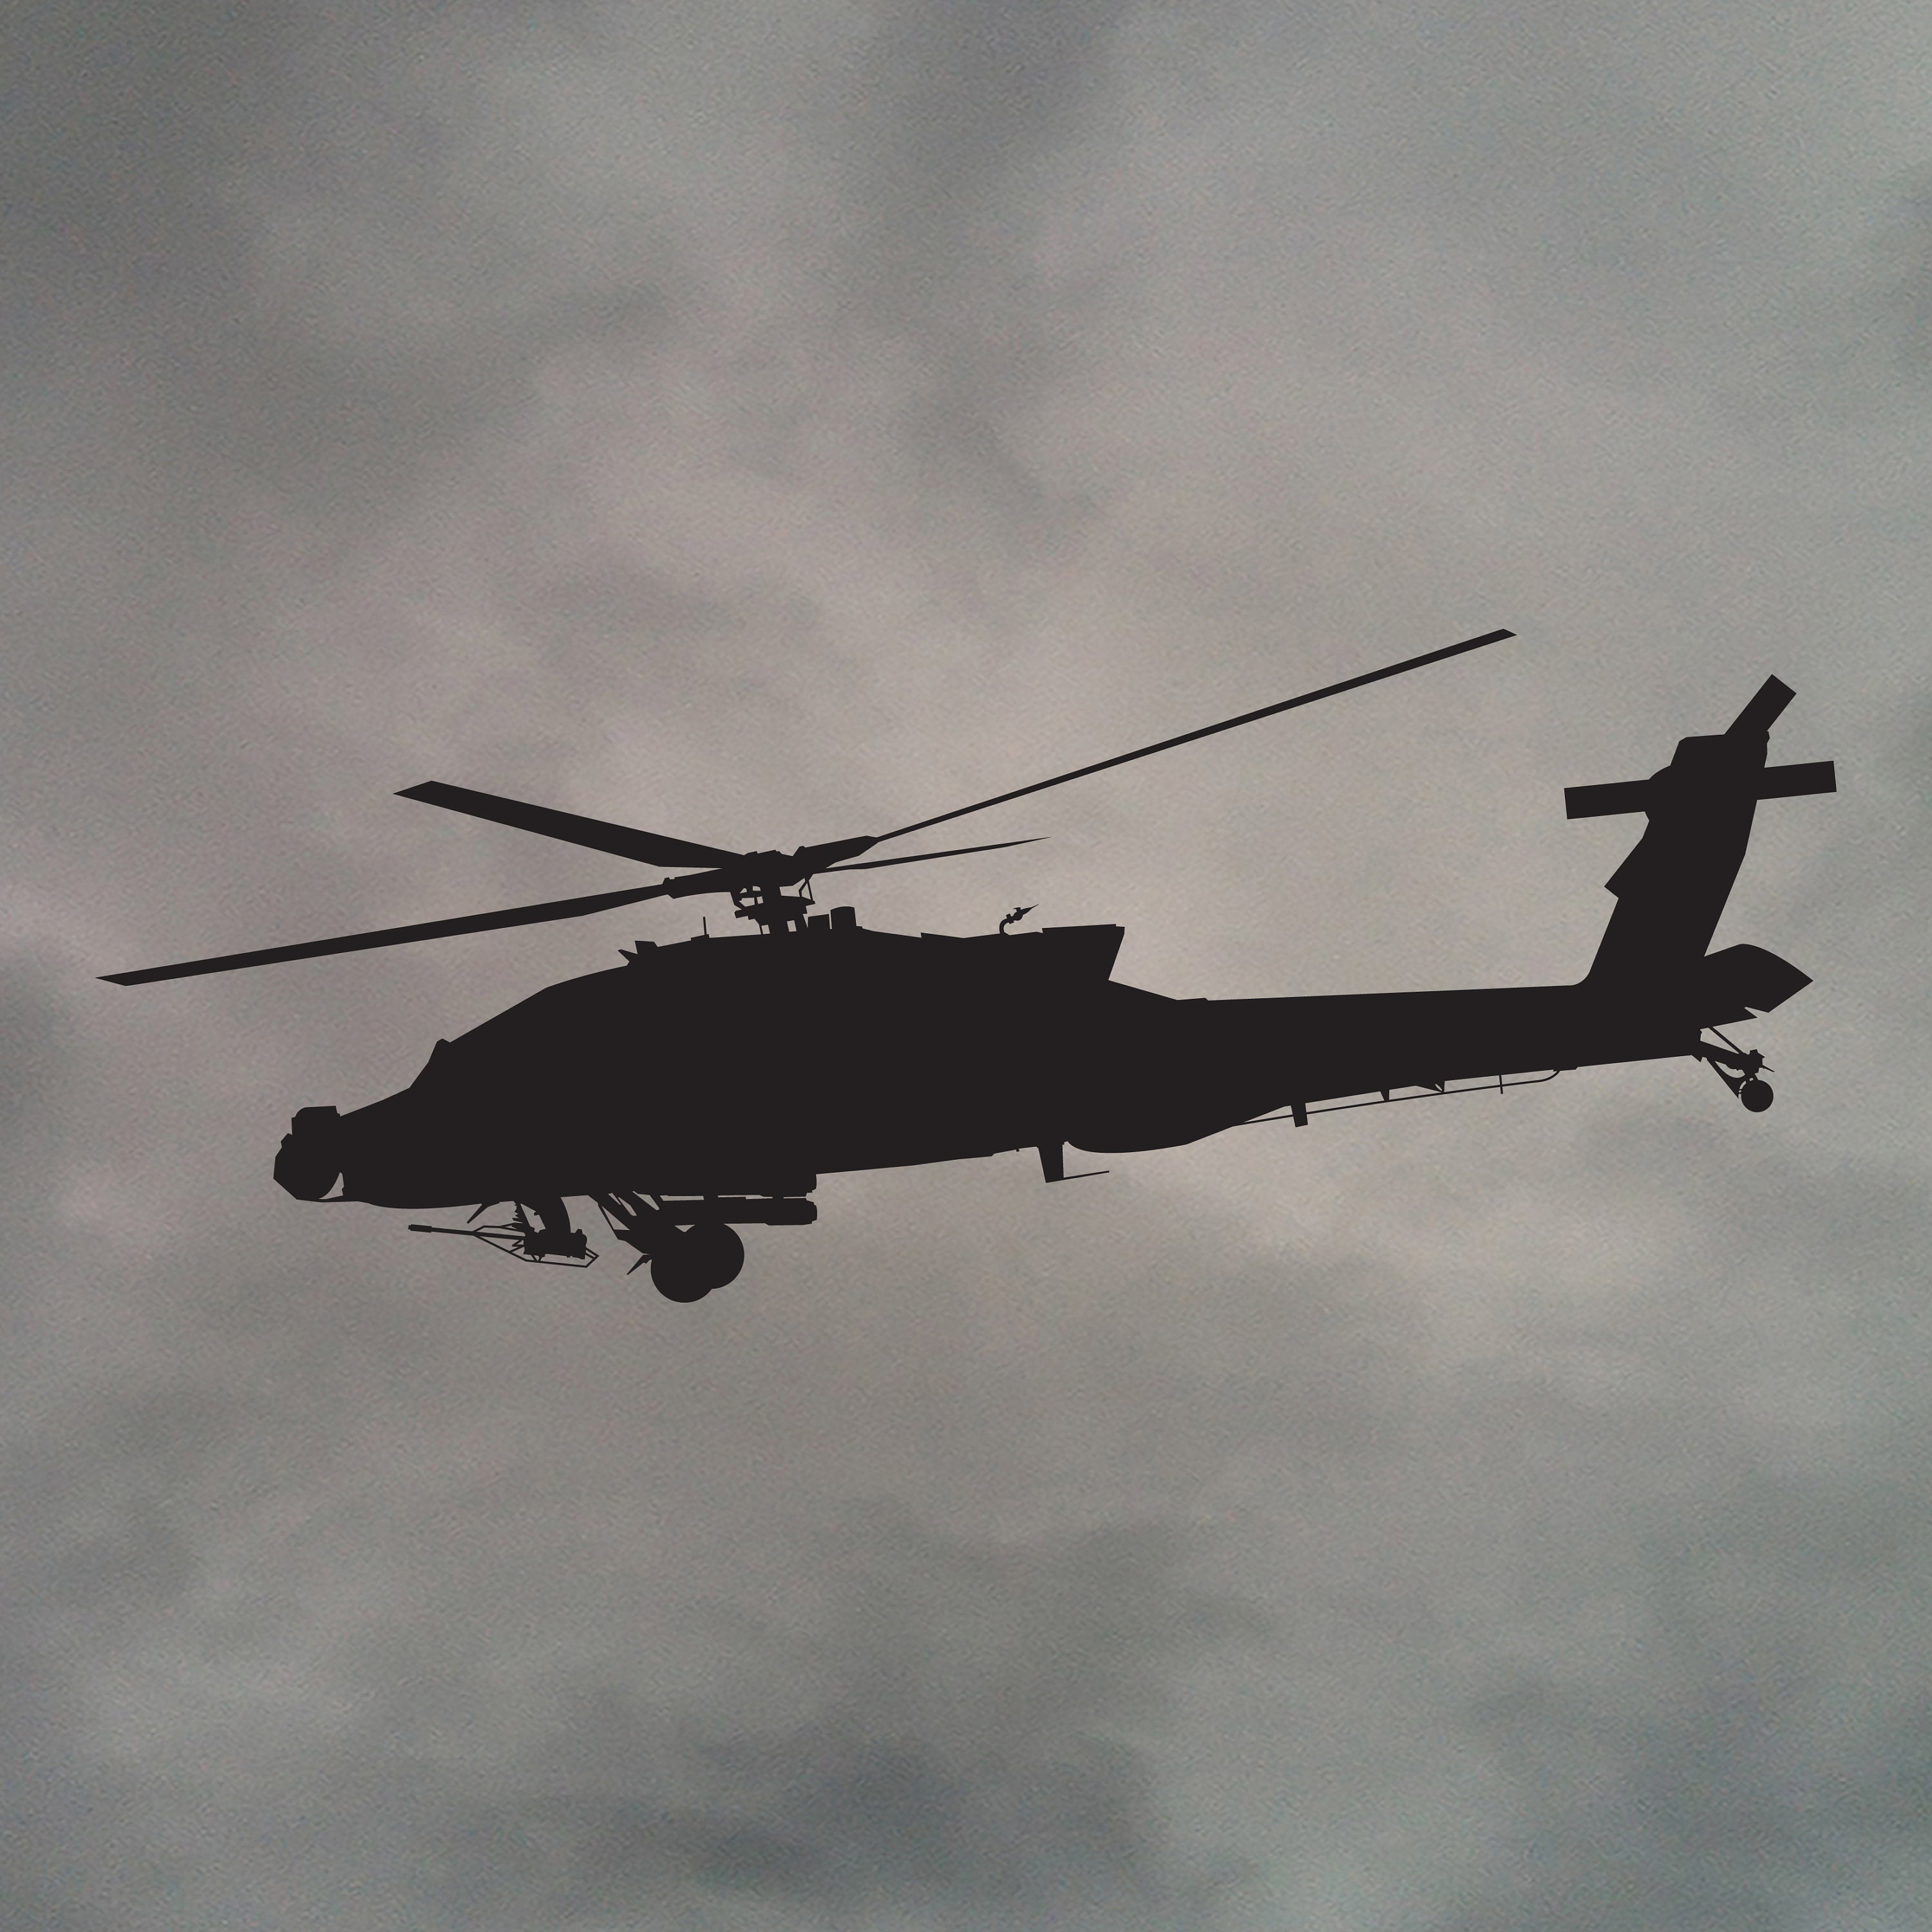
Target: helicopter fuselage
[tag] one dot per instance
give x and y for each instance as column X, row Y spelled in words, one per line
column 734, row 1074
column 751, row 1066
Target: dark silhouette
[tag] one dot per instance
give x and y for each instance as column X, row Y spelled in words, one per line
column 707, row 1083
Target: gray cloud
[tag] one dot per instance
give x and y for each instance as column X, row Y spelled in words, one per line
column 966, row 1760
column 268, row 222
column 38, row 1042
column 1768, row 1780
column 770, row 425
column 950, row 105
column 1911, row 292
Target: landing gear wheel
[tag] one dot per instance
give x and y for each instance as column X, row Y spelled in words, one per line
column 1756, row 1094
column 701, row 1258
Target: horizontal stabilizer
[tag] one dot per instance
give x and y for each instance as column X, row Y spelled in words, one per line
column 1601, row 801
column 1797, row 781
column 1742, row 981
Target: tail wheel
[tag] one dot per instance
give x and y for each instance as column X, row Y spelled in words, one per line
column 701, row 1258
column 1743, row 1082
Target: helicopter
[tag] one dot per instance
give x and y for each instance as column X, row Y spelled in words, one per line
column 692, row 1090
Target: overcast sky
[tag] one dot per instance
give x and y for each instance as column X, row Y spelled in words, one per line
column 766, row 423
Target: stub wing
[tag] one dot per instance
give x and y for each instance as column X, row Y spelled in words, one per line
column 1743, row 981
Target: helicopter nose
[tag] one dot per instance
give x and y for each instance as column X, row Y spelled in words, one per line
column 309, row 1163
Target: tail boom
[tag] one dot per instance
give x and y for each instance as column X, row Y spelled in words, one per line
column 1174, row 1076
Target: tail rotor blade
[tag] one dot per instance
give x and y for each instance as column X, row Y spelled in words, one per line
column 1763, row 711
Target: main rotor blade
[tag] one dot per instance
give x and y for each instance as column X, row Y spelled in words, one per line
column 653, row 848
column 394, row 935
column 831, row 854
column 913, row 858
column 1208, row 731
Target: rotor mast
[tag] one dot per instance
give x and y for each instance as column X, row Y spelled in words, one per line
column 775, row 909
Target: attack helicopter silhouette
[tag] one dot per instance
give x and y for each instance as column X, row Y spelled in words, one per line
column 707, row 1084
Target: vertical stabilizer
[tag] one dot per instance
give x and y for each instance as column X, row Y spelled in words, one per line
column 1671, row 890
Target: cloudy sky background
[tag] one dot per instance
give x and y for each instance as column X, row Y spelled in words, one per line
column 769, row 423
